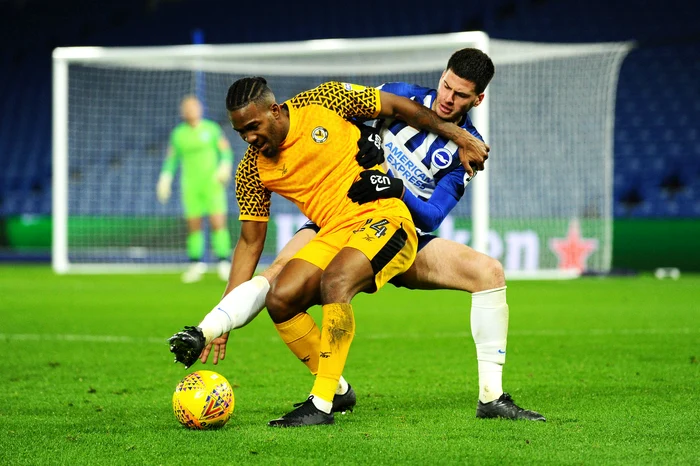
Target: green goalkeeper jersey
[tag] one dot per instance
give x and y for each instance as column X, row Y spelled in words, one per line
column 197, row 148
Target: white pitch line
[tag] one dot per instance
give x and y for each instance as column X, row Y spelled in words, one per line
column 79, row 338
column 542, row 333
column 376, row 336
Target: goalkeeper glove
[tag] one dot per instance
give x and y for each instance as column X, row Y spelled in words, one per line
column 223, row 173
column 370, row 153
column 163, row 188
column 374, row 185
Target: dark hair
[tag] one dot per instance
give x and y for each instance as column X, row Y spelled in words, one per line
column 473, row 65
column 246, row 90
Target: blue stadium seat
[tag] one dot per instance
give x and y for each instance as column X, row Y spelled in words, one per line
column 658, row 100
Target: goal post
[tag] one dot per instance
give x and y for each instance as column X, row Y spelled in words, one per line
column 113, row 109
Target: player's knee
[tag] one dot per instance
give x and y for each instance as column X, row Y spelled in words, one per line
column 491, row 274
column 282, row 302
column 335, row 287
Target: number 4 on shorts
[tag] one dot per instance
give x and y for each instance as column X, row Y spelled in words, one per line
column 379, row 227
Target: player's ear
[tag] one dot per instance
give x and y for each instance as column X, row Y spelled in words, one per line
column 479, row 99
column 275, row 110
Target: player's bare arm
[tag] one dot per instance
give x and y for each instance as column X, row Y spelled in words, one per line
column 245, row 259
column 247, row 253
column 165, row 180
column 472, row 152
column 223, row 172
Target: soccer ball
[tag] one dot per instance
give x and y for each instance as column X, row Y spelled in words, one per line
column 203, row 400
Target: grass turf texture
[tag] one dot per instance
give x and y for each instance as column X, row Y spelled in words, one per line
column 613, row 363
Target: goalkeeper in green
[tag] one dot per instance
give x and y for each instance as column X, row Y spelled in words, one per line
column 207, row 161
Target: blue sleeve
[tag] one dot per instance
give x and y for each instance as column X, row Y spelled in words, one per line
column 428, row 215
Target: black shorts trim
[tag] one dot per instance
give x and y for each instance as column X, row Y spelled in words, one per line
column 309, row 225
column 387, row 253
column 423, row 240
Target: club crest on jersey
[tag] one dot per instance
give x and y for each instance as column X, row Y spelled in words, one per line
column 319, row 134
column 441, row 158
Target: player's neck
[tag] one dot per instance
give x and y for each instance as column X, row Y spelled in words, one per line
column 285, row 122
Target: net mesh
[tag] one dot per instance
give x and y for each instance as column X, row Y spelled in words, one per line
column 551, row 115
column 551, row 126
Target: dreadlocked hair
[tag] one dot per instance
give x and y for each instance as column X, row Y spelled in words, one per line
column 246, row 90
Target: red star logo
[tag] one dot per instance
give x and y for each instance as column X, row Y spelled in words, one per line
column 573, row 251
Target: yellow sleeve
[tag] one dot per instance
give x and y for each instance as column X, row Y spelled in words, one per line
column 347, row 100
column 253, row 198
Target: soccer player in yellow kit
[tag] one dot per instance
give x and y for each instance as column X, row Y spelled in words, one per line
column 304, row 150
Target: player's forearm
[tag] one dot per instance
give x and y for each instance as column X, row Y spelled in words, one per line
column 472, row 152
column 239, row 307
column 243, row 263
column 418, row 116
column 236, row 309
column 246, row 254
column 171, row 162
column 226, row 155
column 225, row 151
column 244, row 298
column 428, row 215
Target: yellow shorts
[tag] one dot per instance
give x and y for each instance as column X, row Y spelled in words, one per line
column 389, row 242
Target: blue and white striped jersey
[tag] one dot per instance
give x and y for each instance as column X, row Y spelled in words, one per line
column 428, row 164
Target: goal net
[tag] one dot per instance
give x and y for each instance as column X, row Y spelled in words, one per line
column 543, row 206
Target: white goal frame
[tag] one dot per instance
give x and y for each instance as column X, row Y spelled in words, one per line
column 191, row 57
column 262, row 59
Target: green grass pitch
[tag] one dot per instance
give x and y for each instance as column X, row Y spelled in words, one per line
column 613, row 363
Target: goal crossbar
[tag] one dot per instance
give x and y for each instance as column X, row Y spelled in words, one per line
column 352, row 58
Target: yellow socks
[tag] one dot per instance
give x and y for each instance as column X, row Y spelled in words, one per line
column 336, row 337
column 303, row 337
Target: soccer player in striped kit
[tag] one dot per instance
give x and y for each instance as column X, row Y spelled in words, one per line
column 425, row 171
column 304, row 150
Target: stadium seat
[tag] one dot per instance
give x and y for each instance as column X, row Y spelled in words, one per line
column 657, row 109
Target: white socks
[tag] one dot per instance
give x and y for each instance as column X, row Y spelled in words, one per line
column 236, row 309
column 342, row 386
column 327, row 406
column 321, row 404
column 489, row 322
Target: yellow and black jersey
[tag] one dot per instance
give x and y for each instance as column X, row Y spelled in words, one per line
column 316, row 164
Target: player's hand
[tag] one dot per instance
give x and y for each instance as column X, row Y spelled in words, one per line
column 219, row 347
column 473, row 152
column 370, row 152
column 223, row 173
column 374, row 185
column 163, row 188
